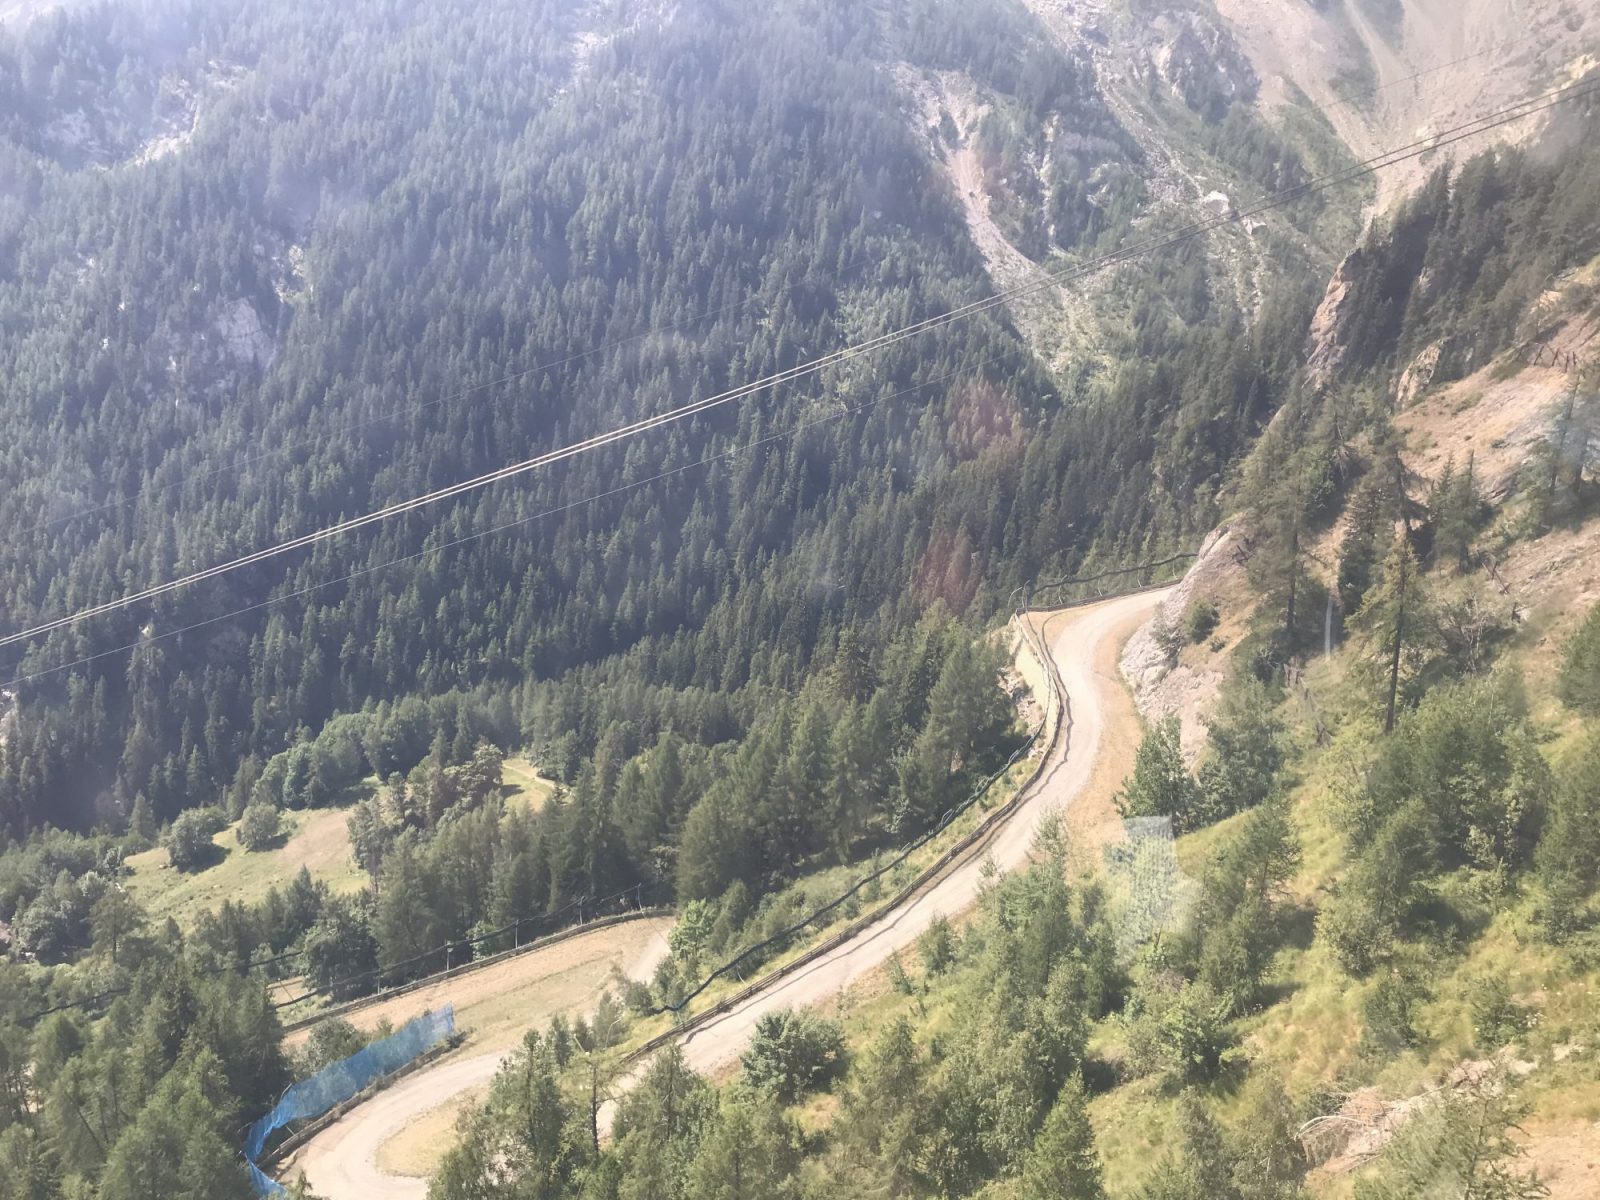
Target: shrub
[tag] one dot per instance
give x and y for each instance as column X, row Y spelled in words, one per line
column 1463, row 1145
column 1390, row 1015
column 1568, row 856
column 793, row 1050
column 1200, row 621
column 56, row 923
column 1353, row 929
column 606, row 1028
column 1197, row 1039
column 260, row 827
column 1245, row 752
column 1467, row 764
column 1167, row 637
column 1180, row 1028
column 329, row 1042
column 899, row 979
column 1160, row 785
column 637, row 997
column 188, row 840
column 937, row 946
column 1496, row 1018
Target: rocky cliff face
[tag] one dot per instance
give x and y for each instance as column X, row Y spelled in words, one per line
column 1325, row 341
column 1203, row 65
column 1185, row 684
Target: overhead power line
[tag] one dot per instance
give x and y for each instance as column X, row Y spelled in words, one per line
column 1474, row 127
column 731, row 452
column 1347, row 99
column 283, row 448
column 1342, row 100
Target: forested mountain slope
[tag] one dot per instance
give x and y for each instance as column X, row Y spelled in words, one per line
column 1365, row 965
column 229, row 334
column 264, row 267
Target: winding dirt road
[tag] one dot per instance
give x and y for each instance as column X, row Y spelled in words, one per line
column 1075, row 639
column 342, row 1162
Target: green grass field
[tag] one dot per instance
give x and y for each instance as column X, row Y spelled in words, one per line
column 317, row 839
column 522, row 779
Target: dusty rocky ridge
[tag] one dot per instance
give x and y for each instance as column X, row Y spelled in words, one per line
column 1325, row 348
column 1187, row 686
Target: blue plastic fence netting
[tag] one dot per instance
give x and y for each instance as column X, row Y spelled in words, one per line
column 340, row 1081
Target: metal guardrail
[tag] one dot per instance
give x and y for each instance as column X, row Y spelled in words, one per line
column 1057, row 732
column 477, row 964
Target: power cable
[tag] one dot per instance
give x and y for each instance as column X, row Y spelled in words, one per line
column 1343, row 99
column 503, row 528
column 397, row 413
column 1360, row 170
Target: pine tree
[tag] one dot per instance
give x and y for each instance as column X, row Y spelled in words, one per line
column 853, row 677
column 28, row 1168
column 1579, row 682
column 115, row 918
column 142, row 820
column 1568, row 855
column 1064, row 1164
column 178, row 1146
column 1397, row 617
column 1460, row 1145
column 1201, row 1166
column 341, row 953
column 660, row 1123
column 885, row 1124
column 1454, row 506
column 860, row 752
column 1360, row 546
column 1160, row 785
column 1244, row 751
column 749, row 1152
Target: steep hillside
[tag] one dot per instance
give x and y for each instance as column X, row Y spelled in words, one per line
column 1345, row 943
column 1384, row 72
column 1150, row 120
column 1493, row 499
column 268, row 267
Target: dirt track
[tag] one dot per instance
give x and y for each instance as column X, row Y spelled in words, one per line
column 341, row 1163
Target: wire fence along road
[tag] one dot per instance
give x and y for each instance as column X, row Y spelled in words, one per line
column 1146, row 572
column 474, row 950
column 340, row 1163
column 462, row 954
column 713, row 1039
column 1054, row 729
column 342, row 1081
